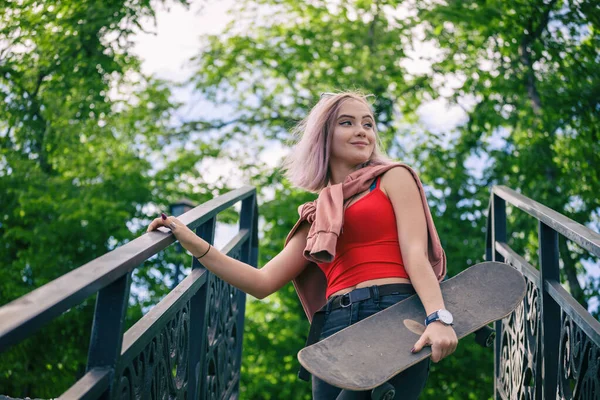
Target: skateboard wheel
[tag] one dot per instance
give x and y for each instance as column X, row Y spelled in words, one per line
column 485, row 336
column 383, row 392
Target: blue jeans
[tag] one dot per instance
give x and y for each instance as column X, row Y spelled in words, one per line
column 408, row 384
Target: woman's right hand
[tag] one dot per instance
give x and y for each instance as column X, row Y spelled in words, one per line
column 186, row 237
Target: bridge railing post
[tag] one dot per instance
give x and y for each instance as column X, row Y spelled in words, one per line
column 107, row 328
column 249, row 221
column 499, row 225
column 496, row 233
column 198, row 323
column 549, row 309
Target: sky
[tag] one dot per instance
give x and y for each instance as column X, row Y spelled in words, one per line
column 166, row 54
column 175, row 41
column 166, row 51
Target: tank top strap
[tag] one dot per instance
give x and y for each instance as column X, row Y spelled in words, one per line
column 374, row 184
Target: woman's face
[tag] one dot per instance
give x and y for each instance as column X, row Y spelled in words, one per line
column 354, row 137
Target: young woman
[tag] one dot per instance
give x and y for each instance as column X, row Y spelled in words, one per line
column 366, row 243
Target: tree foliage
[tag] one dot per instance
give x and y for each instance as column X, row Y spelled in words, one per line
column 74, row 164
column 83, row 167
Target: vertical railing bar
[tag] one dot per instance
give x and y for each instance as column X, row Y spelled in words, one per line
column 107, row 329
column 254, row 247
column 549, row 310
column 498, row 225
column 247, row 221
column 199, row 322
column 489, row 248
column 498, row 235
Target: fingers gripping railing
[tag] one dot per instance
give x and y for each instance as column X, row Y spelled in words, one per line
column 173, row 350
column 550, row 346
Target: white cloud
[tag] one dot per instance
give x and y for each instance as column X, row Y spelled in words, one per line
column 274, row 153
column 439, row 116
column 175, row 40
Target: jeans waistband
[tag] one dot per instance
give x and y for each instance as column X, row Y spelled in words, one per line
column 358, row 295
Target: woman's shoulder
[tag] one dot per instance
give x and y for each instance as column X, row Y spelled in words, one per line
column 396, row 177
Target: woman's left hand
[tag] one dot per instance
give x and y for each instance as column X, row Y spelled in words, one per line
column 440, row 337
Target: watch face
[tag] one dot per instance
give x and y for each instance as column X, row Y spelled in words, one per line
column 445, row 316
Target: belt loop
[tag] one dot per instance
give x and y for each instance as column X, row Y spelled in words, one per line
column 375, row 294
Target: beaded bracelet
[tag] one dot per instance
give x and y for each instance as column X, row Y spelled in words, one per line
column 204, row 253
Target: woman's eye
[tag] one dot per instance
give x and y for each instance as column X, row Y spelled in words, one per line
column 348, row 123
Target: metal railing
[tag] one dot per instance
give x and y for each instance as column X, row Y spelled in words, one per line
column 549, row 348
column 187, row 347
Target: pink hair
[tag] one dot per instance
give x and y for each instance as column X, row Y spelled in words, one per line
column 307, row 165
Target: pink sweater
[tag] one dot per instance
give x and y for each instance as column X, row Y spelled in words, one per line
column 326, row 216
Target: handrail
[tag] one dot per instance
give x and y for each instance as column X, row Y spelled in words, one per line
column 25, row 315
column 587, row 323
column 578, row 233
column 137, row 336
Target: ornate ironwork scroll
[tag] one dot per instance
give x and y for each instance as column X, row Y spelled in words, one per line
column 222, row 361
column 579, row 363
column 519, row 369
column 160, row 370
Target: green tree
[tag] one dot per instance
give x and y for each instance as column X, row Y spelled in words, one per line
column 74, row 165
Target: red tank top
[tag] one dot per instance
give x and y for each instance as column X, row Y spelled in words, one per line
column 368, row 246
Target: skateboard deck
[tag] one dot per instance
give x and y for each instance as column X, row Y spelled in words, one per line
column 367, row 354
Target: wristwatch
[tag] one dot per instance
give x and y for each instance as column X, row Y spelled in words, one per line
column 442, row 315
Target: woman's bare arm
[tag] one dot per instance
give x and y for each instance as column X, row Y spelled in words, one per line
column 259, row 283
column 404, row 195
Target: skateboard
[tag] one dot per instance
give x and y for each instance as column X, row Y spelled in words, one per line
column 364, row 356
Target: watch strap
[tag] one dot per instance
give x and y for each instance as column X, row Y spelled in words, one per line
column 432, row 318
